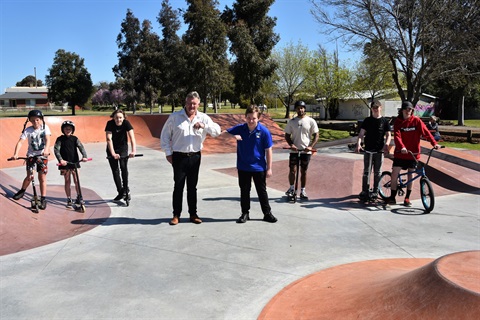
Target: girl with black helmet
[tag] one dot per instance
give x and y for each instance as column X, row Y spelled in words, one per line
column 38, row 137
column 65, row 149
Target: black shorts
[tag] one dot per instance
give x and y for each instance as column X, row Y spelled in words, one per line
column 304, row 160
column 404, row 163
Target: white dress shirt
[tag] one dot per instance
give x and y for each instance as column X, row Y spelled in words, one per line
column 178, row 134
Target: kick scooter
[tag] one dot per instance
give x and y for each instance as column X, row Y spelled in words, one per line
column 292, row 196
column 127, row 196
column 31, row 161
column 81, row 204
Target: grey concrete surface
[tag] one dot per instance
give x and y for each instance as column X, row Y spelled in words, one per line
column 135, row 265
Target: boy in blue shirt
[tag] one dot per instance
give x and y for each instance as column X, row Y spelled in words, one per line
column 254, row 161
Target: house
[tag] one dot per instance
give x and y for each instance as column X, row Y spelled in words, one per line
column 355, row 107
column 20, row 98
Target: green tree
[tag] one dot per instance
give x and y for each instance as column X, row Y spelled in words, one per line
column 291, row 72
column 29, row 81
column 69, row 80
column 424, row 40
column 250, row 31
column 127, row 69
column 373, row 73
column 174, row 76
column 150, row 71
column 328, row 80
column 206, row 44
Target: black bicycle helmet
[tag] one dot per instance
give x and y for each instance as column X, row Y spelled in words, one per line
column 68, row 123
column 35, row 113
column 299, row 103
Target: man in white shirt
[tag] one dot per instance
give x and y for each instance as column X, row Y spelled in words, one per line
column 301, row 134
column 182, row 140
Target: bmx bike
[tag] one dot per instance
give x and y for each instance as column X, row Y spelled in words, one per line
column 427, row 194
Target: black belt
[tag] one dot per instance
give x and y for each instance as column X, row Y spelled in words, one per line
column 186, row 154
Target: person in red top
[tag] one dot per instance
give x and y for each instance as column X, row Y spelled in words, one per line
column 407, row 131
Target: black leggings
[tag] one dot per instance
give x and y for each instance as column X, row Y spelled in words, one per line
column 117, row 166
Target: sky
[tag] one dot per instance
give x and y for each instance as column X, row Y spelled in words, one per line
column 31, row 31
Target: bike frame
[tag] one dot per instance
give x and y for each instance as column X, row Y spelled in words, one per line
column 419, row 171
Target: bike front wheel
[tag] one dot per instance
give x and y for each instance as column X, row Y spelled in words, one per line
column 426, row 194
column 384, row 185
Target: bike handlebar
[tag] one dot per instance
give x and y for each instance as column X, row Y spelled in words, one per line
column 300, row 150
column 136, row 155
column 26, row 158
column 74, row 163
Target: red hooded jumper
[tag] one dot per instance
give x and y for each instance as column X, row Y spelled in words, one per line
column 407, row 134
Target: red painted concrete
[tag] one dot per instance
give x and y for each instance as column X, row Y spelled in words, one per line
column 21, row 229
column 446, row 288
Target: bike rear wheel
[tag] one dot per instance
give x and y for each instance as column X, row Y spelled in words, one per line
column 426, row 194
column 384, row 185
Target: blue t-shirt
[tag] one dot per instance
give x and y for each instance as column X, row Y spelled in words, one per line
column 251, row 149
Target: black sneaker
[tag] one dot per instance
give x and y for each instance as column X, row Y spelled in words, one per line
column 269, row 218
column 78, row 201
column 43, row 204
column 303, row 195
column 19, row 194
column 69, row 203
column 118, row 197
column 390, row 201
column 363, row 196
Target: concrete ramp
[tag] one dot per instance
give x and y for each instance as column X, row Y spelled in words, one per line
column 445, row 288
column 21, row 229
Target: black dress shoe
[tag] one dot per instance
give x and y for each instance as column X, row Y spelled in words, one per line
column 243, row 218
column 269, row 218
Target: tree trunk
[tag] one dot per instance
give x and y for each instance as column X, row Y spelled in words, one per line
column 461, row 108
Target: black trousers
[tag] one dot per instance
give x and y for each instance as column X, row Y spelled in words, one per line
column 245, row 183
column 185, row 169
column 117, row 166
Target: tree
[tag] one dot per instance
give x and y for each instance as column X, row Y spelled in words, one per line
column 149, row 60
column 291, row 72
column 69, row 80
column 29, row 81
column 328, row 80
column 252, row 39
column 173, row 49
column 206, row 43
column 373, row 73
column 424, row 40
column 127, row 69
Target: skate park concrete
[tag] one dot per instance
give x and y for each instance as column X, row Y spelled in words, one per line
column 128, row 262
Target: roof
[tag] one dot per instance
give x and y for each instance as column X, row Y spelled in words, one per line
column 21, row 95
column 27, row 89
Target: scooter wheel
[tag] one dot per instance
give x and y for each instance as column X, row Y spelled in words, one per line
column 82, row 208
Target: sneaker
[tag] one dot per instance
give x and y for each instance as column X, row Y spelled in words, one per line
column 69, row 203
column 78, row 200
column 390, row 201
column 363, row 195
column 19, row 194
column 43, row 204
column 407, row 203
column 373, row 196
column 269, row 218
column 290, row 192
column 303, row 195
column 118, row 197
